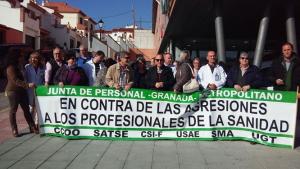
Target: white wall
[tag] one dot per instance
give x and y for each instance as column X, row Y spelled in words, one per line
column 72, row 18
column 112, row 44
column 97, row 45
column 60, row 35
column 144, row 39
column 117, row 35
column 10, row 17
column 123, row 45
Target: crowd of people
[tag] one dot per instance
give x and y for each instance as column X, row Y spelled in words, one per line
column 164, row 74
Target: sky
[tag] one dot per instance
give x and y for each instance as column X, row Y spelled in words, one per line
column 115, row 13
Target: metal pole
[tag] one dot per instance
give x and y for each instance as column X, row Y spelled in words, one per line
column 100, row 34
column 290, row 25
column 219, row 32
column 171, row 47
column 261, row 38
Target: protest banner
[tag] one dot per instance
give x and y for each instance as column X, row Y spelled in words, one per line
column 73, row 112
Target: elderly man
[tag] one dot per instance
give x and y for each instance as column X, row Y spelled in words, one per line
column 244, row 76
column 120, row 75
column 95, row 69
column 160, row 77
column 212, row 76
column 169, row 63
column 284, row 69
column 184, row 72
column 53, row 65
column 83, row 56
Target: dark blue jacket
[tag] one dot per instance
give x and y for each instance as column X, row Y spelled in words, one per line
column 251, row 77
column 81, row 61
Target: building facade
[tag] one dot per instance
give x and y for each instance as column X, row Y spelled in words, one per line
column 227, row 26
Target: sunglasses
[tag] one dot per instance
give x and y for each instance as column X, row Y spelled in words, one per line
column 244, row 58
column 158, row 60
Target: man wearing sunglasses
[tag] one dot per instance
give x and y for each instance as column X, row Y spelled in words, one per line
column 244, row 76
column 160, row 77
column 120, row 75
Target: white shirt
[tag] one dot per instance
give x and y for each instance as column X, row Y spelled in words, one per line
column 217, row 77
column 48, row 71
column 89, row 69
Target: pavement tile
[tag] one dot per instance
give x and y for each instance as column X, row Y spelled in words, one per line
column 140, row 155
column 165, row 155
column 91, row 155
column 116, row 155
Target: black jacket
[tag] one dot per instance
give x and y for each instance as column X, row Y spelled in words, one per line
column 251, row 77
column 166, row 77
column 279, row 72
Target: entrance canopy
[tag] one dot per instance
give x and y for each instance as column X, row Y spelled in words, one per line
column 192, row 24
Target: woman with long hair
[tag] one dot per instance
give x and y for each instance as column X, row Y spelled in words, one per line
column 16, row 90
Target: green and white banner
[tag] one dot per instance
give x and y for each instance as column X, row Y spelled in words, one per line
column 73, row 112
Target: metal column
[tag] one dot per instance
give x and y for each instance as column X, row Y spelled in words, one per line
column 261, row 38
column 290, row 25
column 171, row 47
column 219, row 32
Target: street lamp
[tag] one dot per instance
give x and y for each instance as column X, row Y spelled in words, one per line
column 100, row 23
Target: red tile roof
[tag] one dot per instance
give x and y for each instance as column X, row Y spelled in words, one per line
column 37, row 7
column 63, row 7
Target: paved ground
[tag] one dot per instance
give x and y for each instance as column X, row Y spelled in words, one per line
column 32, row 151
column 5, row 130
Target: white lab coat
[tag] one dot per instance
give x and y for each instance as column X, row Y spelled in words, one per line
column 89, row 69
column 218, row 77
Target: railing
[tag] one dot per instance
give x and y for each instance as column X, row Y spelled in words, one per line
column 32, row 23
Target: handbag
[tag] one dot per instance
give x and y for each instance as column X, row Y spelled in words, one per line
column 190, row 86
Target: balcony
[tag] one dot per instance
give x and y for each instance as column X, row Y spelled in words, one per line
column 32, row 24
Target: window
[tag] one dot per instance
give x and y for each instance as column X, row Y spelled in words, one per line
column 80, row 20
column 91, row 26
